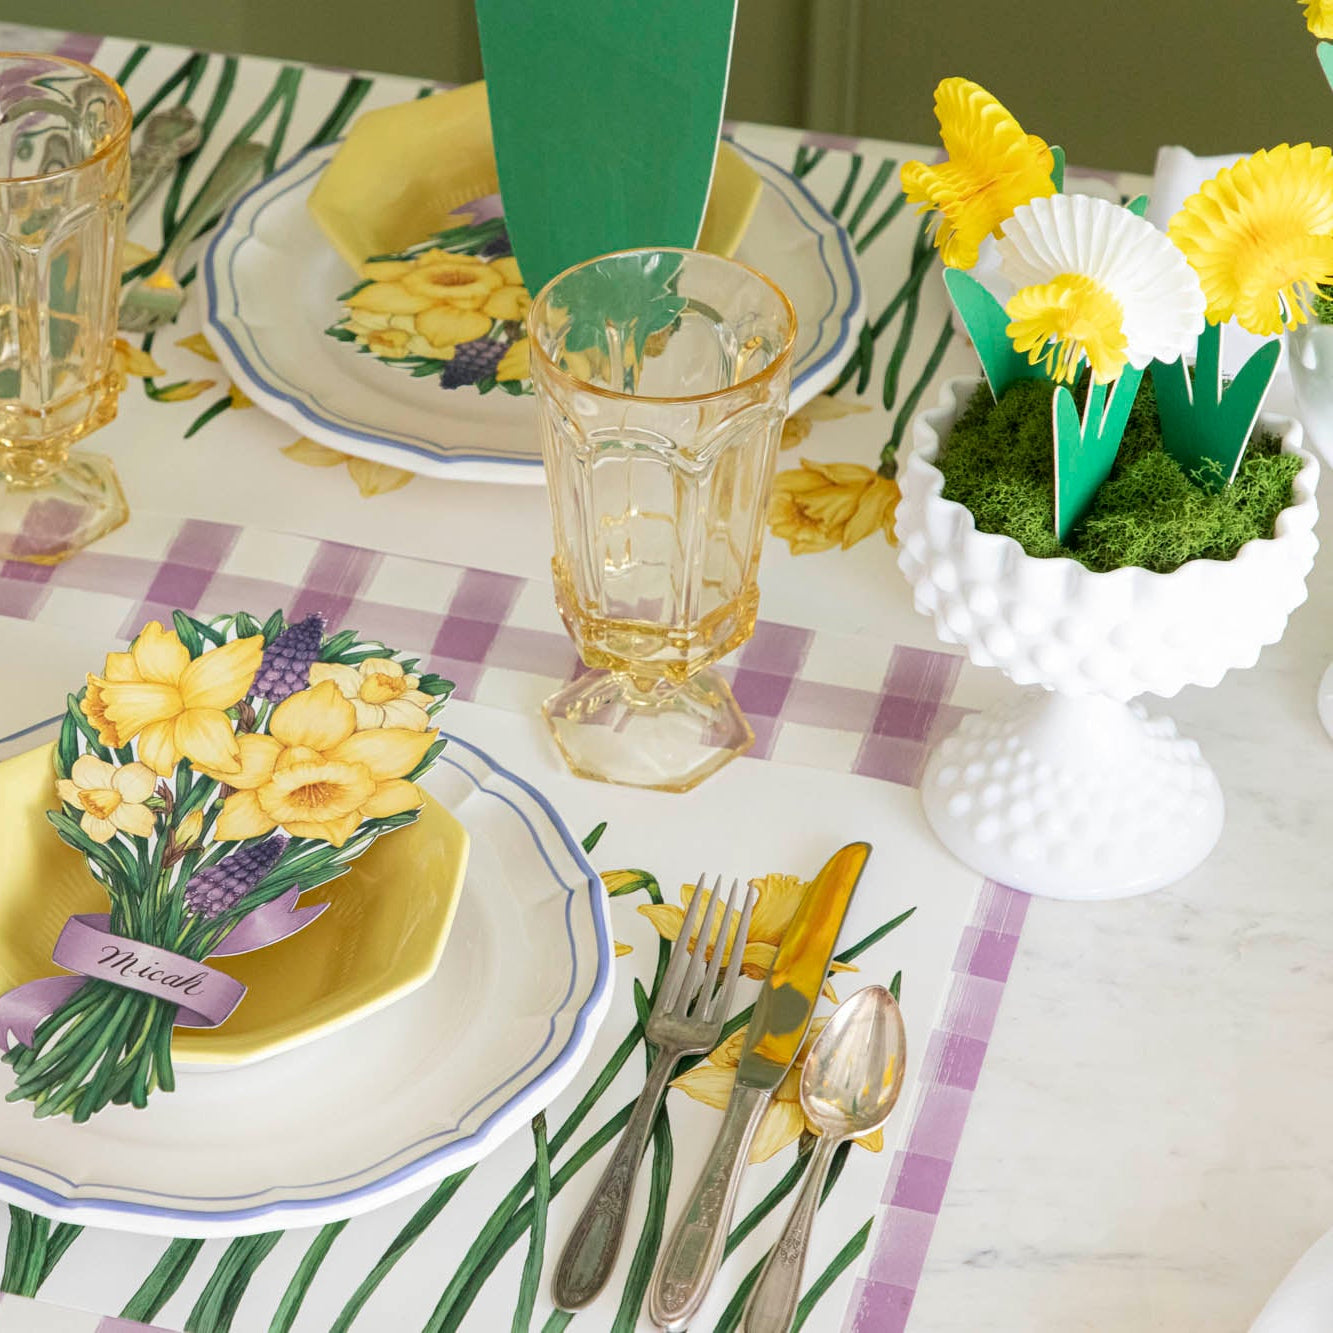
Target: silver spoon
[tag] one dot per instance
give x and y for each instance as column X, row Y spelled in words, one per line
column 849, row 1085
column 166, row 137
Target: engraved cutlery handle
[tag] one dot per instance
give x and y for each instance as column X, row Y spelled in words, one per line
column 236, row 168
column 694, row 1252
column 590, row 1253
column 772, row 1304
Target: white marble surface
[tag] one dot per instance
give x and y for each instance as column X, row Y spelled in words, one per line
column 1149, row 1145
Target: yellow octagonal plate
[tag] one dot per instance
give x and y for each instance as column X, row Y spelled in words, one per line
column 382, row 936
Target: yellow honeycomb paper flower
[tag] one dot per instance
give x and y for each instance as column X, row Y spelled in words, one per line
column 993, row 166
column 1260, row 236
column 1319, row 17
column 1063, row 321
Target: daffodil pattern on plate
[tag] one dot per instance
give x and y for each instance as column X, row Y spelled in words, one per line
column 208, row 771
column 452, row 307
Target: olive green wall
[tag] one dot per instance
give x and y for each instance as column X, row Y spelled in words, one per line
column 1109, row 79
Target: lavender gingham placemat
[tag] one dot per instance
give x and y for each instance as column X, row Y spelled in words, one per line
column 499, row 638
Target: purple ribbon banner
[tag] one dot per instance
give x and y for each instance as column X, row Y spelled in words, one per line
column 205, row 996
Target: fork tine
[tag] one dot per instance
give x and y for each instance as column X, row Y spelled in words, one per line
column 680, row 951
column 721, row 1002
column 715, row 963
column 700, row 954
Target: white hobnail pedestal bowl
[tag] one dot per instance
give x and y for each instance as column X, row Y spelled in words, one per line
column 1072, row 791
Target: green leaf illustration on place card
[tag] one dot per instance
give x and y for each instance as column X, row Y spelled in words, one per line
column 1206, row 425
column 986, row 322
column 605, row 116
column 1085, row 450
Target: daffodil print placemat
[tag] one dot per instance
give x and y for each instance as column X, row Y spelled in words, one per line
column 475, row 1253
column 842, row 681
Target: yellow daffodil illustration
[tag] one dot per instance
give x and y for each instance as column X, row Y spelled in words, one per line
column 1319, row 17
column 175, row 705
column 129, row 360
column 711, row 1082
column 110, row 796
column 426, row 305
column 381, row 692
column 777, row 898
column 796, row 429
column 823, row 505
column 370, row 478
column 513, row 365
column 993, row 166
column 1260, row 236
column 315, row 775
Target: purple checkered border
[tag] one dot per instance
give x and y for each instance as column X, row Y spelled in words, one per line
column 952, row 1065
column 896, row 723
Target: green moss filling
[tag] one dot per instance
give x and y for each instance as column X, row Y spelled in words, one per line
column 998, row 461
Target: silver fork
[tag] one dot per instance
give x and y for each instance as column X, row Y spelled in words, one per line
column 157, row 297
column 686, row 1019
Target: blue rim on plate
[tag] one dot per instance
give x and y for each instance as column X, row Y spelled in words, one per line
column 432, row 1163
column 818, row 361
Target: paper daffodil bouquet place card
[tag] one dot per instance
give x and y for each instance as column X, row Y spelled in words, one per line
column 208, row 776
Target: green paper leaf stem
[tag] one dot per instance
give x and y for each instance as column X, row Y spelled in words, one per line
column 1325, row 53
column 986, row 322
column 1205, row 426
column 1085, row 450
column 1058, row 170
column 1138, row 205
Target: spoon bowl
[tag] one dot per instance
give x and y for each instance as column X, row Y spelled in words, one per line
column 854, row 1071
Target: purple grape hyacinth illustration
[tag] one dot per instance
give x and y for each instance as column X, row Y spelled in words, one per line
column 287, row 660
column 218, row 888
column 472, row 362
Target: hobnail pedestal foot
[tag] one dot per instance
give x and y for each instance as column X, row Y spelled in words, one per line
column 1076, row 797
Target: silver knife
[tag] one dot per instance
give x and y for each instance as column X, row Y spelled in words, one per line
column 777, row 1028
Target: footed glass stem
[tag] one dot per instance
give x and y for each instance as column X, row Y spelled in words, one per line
column 1073, row 796
column 668, row 737
column 61, row 512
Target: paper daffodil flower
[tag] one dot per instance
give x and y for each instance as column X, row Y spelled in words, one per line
column 1319, row 17
column 176, row 705
column 993, row 166
column 1093, row 280
column 111, row 798
column 316, row 775
column 381, row 692
column 1260, row 236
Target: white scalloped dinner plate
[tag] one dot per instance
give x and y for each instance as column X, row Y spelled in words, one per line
column 271, row 285
column 385, row 1106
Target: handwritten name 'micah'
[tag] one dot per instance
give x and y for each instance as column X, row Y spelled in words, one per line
column 129, row 964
